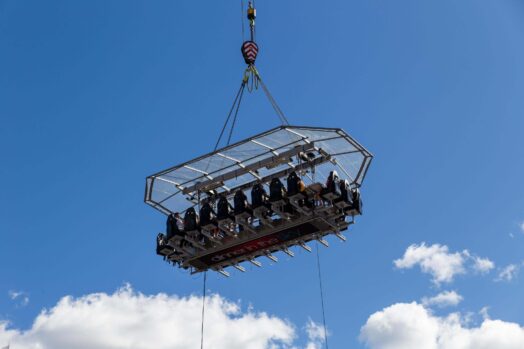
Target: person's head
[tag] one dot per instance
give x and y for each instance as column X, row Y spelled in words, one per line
column 177, row 215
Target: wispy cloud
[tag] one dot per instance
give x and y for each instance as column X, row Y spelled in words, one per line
column 21, row 297
column 482, row 265
column 521, row 226
column 508, row 273
column 440, row 263
column 443, row 299
column 316, row 335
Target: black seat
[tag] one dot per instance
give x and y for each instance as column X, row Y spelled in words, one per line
column 223, row 209
column 190, row 220
column 258, row 196
column 241, row 203
column 293, row 184
column 207, row 215
column 277, row 191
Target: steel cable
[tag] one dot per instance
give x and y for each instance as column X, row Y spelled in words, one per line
column 203, row 311
column 322, row 297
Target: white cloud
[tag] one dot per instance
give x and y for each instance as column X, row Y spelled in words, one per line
column 127, row 319
column 508, row 273
column 484, row 313
column 521, row 225
column 442, row 264
column 482, row 265
column 435, row 260
column 316, row 335
column 443, row 299
column 21, row 297
column 412, row 326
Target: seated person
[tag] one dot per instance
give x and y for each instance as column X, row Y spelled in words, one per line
column 345, row 191
column 161, row 245
column 258, row 196
column 241, row 203
column 160, row 241
column 190, row 220
column 179, row 221
column 172, row 228
column 332, row 181
column 207, row 214
column 223, row 208
column 332, row 190
column 277, row 191
column 356, row 203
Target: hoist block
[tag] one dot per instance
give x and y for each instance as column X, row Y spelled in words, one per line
column 250, row 52
column 251, row 13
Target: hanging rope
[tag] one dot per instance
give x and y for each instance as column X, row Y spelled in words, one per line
column 236, row 113
column 203, row 311
column 234, row 107
column 272, row 100
column 242, row 19
column 322, row 297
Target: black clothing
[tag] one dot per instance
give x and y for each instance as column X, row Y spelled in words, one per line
column 277, row 191
column 190, row 220
column 172, row 227
column 207, row 215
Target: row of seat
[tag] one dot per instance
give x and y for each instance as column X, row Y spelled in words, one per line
column 281, row 200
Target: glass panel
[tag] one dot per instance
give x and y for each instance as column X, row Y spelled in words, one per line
column 177, row 204
column 181, row 175
column 162, row 190
column 245, row 151
column 335, row 146
column 235, row 182
column 365, row 165
column 315, row 135
column 266, row 172
column 212, row 163
column 279, row 139
column 351, row 163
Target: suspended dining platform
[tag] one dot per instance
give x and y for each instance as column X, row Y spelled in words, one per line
column 281, row 188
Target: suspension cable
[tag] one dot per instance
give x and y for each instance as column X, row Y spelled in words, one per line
column 235, row 104
column 272, row 100
column 203, row 311
column 236, row 113
column 242, row 19
column 322, row 297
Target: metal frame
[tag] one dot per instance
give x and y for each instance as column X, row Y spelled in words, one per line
column 299, row 141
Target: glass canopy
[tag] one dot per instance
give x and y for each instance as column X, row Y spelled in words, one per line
column 311, row 151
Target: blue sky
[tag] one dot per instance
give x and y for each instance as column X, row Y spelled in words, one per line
column 96, row 95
